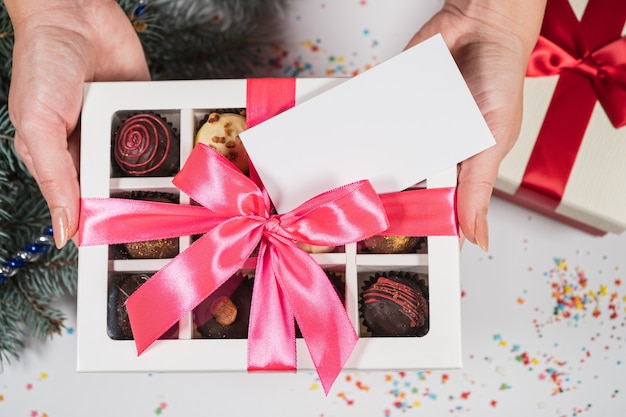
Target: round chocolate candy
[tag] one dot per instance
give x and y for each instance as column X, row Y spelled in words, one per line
column 153, row 249
column 146, row 145
column 121, row 287
column 221, row 132
column 392, row 244
column 395, row 304
column 229, row 313
column 150, row 249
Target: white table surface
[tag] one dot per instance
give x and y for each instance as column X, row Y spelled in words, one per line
column 528, row 347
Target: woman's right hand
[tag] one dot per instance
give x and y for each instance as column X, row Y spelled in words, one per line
column 491, row 41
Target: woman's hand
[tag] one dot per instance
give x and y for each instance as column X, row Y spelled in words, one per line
column 491, row 41
column 59, row 45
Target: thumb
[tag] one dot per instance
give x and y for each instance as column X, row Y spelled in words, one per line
column 476, row 179
column 53, row 168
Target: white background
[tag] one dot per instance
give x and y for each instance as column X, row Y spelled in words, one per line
column 526, row 351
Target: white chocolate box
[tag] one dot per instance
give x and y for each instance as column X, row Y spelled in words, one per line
column 185, row 104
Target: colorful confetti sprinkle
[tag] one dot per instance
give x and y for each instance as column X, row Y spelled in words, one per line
column 159, row 410
column 576, row 300
column 344, row 397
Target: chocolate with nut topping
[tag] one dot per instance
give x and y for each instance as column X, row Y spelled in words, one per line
column 221, row 132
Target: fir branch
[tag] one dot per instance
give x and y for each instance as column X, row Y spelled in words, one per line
column 55, row 275
column 6, row 52
column 11, row 166
column 42, row 320
column 26, row 301
column 209, row 39
column 11, row 332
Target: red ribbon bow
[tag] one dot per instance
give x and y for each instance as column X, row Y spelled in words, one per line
column 563, row 47
column 590, row 57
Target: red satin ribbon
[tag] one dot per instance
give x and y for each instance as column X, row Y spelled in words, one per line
column 234, row 217
column 590, row 57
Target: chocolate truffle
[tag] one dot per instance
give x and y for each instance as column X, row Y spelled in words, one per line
column 121, row 287
column 145, row 144
column 395, row 304
column 151, row 249
column 393, row 244
column 226, row 313
column 339, row 284
column 221, row 132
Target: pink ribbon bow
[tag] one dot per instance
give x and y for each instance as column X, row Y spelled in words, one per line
column 235, row 218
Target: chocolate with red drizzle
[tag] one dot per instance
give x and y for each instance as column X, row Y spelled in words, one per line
column 395, row 304
column 145, row 144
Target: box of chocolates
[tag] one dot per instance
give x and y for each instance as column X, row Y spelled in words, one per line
column 213, row 234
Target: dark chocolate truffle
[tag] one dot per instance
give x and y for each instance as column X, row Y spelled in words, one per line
column 226, row 313
column 151, row 249
column 145, row 144
column 395, row 304
column 393, row 244
column 121, row 287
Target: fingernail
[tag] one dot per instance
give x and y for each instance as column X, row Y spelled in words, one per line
column 59, row 226
column 481, row 231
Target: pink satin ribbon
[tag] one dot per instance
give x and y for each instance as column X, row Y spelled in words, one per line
column 590, row 57
column 234, row 220
column 235, row 216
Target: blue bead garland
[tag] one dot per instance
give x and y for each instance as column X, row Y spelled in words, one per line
column 29, row 253
column 139, row 9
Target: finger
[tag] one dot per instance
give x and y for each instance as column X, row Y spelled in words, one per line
column 476, row 180
column 56, row 174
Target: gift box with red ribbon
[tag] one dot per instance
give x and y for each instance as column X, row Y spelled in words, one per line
column 227, row 230
column 568, row 161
